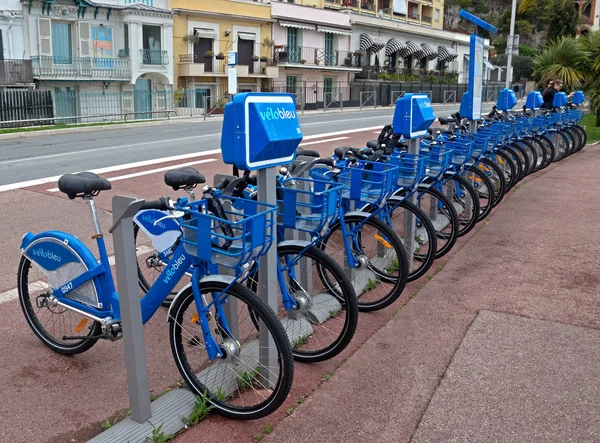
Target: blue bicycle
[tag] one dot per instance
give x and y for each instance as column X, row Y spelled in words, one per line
column 70, row 302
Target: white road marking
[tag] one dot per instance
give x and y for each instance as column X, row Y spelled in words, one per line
column 323, row 141
column 41, row 181
column 13, row 294
column 151, row 171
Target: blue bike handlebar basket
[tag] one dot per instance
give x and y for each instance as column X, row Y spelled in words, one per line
column 462, row 151
column 310, row 206
column 251, row 226
column 481, row 144
column 439, row 159
column 368, row 182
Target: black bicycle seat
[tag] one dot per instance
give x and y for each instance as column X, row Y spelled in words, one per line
column 373, row 144
column 83, row 184
column 307, row 153
column 183, row 178
column 446, row 120
column 341, row 151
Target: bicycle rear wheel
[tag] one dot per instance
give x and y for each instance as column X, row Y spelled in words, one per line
column 508, row 168
column 484, row 188
column 240, row 384
column 382, row 265
column 496, row 176
column 327, row 314
column 464, row 199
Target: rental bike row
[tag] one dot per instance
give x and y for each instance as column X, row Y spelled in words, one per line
column 350, row 231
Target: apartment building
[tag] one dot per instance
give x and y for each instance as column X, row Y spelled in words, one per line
column 15, row 69
column 589, row 13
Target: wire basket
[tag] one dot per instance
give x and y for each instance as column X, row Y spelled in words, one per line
column 368, row 182
column 439, row 159
column 481, row 144
column 309, row 206
column 411, row 168
column 245, row 235
column 539, row 124
column 462, row 151
column 558, row 118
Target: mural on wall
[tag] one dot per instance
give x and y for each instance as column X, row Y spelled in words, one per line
column 102, row 47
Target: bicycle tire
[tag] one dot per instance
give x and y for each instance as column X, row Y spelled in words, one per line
column 523, row 158
column 484, row 188
column 549, row 149
column 507, row 165
column 345, row 295
column 496, row 176
column 56, row 344
column 583, row 135
column 449, row 239
column 573, row 140
column 540, row 152
column 514, row 157
column 278, row 337
column 424, row 259
column 469, row 218
column 397, row 283
column 560, row 142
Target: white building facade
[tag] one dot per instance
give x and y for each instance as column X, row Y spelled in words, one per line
column 15, row 68
column 119, row 50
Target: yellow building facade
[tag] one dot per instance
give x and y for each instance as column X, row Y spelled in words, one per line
column 204, row 31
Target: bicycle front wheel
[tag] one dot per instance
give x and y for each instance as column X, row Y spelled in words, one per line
column 380, row 268
column 250, row 381
column 326, row 313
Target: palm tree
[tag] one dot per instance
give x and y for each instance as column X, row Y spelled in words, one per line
column 591, row 42
column 567, row 59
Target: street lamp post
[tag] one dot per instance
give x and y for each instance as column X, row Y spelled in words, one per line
column 509, row 44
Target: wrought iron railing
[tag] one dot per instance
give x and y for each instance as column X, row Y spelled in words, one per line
column 426, row 19
column 303, row 55
column 154, row 57
column 49, row 67
column 15, row 72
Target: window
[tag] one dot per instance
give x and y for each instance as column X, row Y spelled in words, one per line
column 126, row 37
column 293, row 47
column 62, row 47
column 436, row 15
column 329, row 51
column 291, row 84
column 151, row 44
column 1, row 47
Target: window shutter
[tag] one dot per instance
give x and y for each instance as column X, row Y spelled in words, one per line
column 45, row 36
column 85, row 48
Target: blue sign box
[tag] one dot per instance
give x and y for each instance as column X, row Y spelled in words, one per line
column 506, row 100
column 260, row 130
column 470, row 105
column 413, row 115
column 578, row 98
column 560, row 100
column 534, row 100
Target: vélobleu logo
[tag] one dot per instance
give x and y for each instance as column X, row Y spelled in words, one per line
column 40, row 252
column 174, row 267
column 277, row 114
column 151, row 220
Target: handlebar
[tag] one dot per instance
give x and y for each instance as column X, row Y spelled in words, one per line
column 162, row 204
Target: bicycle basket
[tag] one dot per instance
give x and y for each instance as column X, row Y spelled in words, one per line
column 439, row 159
column 309, row 206
column 462, row 151
column 538, row 124
column 557, row 118
column 481, row 144
column 368, row 182
column 411, row 168
column 245, row 235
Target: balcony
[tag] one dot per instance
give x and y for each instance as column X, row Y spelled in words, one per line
column 426, row 19
column 81, row 68
column 191, row 65
column 15, row 72
column 154, row 57
column 316, row 57
column 413, row 16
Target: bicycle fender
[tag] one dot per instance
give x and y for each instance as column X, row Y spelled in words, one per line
column 219, row 278
column 52, row 249
column 358, row 213
column 162, row 234
column 301, row 243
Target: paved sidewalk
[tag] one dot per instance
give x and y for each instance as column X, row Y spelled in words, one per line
column 513, row 378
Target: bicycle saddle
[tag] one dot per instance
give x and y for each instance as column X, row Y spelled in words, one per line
column 373, row 144
column 340, row 152
column 82, row 184
column 446, row 120
column 183, row 178
column 307, row 153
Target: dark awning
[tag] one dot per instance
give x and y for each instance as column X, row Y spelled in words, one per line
column 394, row 45
column 430, row 53
column 446, row 54
column 372, row 42
column 411, row 49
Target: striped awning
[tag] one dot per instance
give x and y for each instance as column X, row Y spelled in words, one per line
column 430, row 53
column 446, row 54
column 297, row 25
column 372, row 42
column 394, row 45
column 333, row 30
column 411, row 49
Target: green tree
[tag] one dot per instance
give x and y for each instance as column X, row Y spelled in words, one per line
column 565, row 59
column 564, row 20
column 522, row 66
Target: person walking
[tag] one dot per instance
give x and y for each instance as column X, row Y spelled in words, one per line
column 517, row 89
column 550, row 92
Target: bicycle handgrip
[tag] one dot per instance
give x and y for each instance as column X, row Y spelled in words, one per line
column 325, row 161
column 222, row 184
column 162, row 204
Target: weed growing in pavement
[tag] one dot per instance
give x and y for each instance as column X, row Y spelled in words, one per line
column 267, row 431
column 201, row 410
column 371, row 284
column 327, row 376
column 107, row 424
column 414, row 293
column 440, row 267
column 430, row 277
column 302, row 340
column 158, row 436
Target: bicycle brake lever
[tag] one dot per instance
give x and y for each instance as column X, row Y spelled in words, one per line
column 175, row 215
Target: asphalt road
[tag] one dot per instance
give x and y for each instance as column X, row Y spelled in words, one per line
column 51, row 155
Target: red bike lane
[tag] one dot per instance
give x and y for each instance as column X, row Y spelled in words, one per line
column 76, row 394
